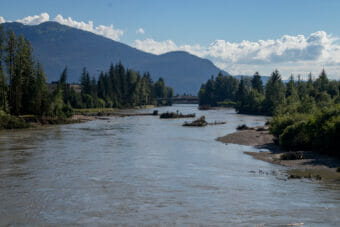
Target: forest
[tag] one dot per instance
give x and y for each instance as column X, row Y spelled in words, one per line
column 305, row 114
column 24, row 90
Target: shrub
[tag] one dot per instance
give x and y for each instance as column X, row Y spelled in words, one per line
column 279, row 123
column 67, row 110
column 11, row 122
column 295, row 136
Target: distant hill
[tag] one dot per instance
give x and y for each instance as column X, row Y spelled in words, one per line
column 57, row 46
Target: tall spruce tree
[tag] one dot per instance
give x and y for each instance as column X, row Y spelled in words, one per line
column 274, row 92
column 256, row 83
column 3, row 78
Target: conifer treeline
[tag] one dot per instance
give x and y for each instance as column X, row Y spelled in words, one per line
column 306, row 114
column 252, row 97
column 119, row 87
column 23, row 88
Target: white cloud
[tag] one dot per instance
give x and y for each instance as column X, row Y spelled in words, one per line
column 36, row 19
column 140, row 31
column 291, row 54
column 106, row 31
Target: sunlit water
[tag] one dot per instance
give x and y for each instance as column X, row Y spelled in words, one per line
column 144, row 170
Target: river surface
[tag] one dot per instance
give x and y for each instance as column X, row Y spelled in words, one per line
column 145, row 170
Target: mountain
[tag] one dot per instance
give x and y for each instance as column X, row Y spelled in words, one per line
column 57, row 46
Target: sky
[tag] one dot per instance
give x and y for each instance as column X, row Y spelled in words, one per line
column 240, row 36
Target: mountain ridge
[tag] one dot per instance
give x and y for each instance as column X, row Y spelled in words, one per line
column 58, row 46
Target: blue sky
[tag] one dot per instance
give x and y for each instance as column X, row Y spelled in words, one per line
column 304, row 33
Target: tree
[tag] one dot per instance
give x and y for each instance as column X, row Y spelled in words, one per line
column 3, row 79
column 25, row 70
column 42, row 98
column 256, row 82
column 274, row 92
column 322, row 81
column 160, row 89
column 85, row 82
column 291, row 91
column 11, row 48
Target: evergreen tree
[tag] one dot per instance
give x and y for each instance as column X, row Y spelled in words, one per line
column 10, row 64
column 28, row 76
column 322, row 82
column 274, row 93
column 160, row 89
column 3, row 78
column 42, row 104
column 256, row 82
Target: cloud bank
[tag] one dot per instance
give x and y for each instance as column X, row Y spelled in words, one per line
column 106, row 31
column 36, row 19
column 293, row 54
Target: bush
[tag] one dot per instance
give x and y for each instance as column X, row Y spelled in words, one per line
column 295, row 136
column 68, row 110
column 279, row 123
column 11, row 122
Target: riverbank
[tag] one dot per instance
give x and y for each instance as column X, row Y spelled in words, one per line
column 311, row 165
column 80, row 116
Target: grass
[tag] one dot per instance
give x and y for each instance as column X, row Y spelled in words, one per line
column 94, row 110
column 91, row 111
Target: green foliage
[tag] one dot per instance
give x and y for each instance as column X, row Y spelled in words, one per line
column 256, row 83
column 319, row 131
column 306, row 114
column 67, row 110
column 118, row 88
column 295, row 136
column 274, row 93
column 11, row 122
column 215, row 91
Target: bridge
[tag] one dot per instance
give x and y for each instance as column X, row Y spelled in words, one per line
column 179, row 100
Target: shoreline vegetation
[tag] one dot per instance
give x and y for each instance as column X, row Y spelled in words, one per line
column 305, row 113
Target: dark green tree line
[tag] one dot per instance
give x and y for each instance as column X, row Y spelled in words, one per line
column 23, row 90
column 119, row 87
column 306, row 114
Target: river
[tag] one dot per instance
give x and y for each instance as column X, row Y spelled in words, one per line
column 145, row 170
